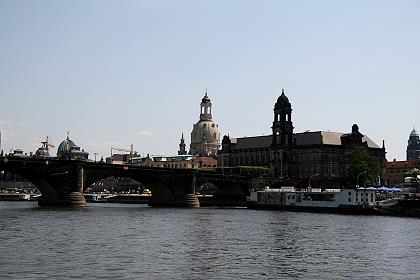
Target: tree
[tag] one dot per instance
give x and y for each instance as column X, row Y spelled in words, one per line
column 359, row 161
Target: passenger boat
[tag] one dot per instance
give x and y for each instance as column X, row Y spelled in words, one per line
column 351, row 201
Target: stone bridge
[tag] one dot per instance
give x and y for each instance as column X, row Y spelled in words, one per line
column 62, row 182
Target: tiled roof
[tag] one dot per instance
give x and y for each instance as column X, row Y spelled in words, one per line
column 302, row 139
column 207, row 160
column 399, row 164
column 252, row 142
column 326, row 138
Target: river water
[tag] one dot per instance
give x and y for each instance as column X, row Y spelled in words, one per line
column 116, row 241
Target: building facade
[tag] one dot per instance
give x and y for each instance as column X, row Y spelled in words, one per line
column 396, row 171
column 176, row 162
column 413, row 147
column 205, row 136
column 317, row 156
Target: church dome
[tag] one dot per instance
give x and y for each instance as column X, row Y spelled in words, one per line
column 42, row 152
column 69, row 150
column 205, row 136
column 65, row 147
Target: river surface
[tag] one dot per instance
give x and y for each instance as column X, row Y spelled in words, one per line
column 117, row 241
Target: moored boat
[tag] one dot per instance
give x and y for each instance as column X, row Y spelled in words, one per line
column 351, row 201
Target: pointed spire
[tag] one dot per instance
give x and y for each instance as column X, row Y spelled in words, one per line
column 68, row 134
column 182, row 150
column 206, row 97
column 282, row 91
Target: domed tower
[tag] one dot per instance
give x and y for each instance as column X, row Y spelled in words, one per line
column 205, row 136
column 282, row 124
column 282, row 136
column 413, row 147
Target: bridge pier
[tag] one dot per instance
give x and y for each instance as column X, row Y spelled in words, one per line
column 190, row 199
column 73, row 198
column 76, row 197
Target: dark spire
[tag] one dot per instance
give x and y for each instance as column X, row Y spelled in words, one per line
column 182, row 145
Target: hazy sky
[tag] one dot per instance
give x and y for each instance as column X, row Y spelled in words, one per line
column 134, row 72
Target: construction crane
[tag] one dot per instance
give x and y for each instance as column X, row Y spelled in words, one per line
column 130, row 151
column 46, row 144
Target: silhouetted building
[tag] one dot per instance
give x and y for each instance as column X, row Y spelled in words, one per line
column 316, row 156
column 413, row 147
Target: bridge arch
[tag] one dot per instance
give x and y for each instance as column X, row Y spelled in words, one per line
column 168, row 186
column 160, row 192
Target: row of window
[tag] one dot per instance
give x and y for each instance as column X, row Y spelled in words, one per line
column 250, row 160
column 263, row 159
column 317, row 157
column 315, row 169
column 167, row 165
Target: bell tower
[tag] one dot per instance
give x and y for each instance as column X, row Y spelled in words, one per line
column 282, row 124
column 282, row 137
column 205, row 108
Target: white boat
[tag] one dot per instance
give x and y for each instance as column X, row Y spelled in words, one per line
column 333, row 200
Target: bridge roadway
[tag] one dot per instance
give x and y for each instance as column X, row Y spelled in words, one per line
column 62, row 182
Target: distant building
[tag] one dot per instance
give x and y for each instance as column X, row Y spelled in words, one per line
column 316, row 156
column 206, row 162
column 177, row 162
column 413, row 147
column 395, row 171
column 121, row 158
column 205, row 136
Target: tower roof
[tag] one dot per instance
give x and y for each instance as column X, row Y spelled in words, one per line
column 282, row 101
column 205, row 99
column 414, row 133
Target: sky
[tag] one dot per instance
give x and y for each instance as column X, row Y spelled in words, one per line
column 125, row 72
